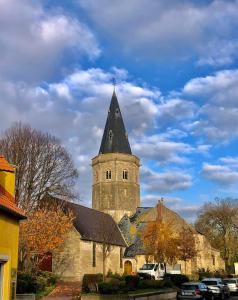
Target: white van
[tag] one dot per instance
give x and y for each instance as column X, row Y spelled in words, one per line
column 152, row 271
column 157, row 270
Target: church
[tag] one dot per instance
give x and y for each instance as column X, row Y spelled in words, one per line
column 116, row 218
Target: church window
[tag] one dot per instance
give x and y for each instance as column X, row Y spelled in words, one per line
column 108, row 174
column 213, row 260
column 121, row 255
column 125, row 174
column 94, row 254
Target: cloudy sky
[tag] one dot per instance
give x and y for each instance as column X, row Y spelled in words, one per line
column 175, row 63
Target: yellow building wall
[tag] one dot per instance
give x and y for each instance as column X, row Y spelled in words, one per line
column 9, row 233
column 7, row 181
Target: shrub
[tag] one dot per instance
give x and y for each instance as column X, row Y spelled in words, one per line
column 168, row 284
column 29, row 283
column 132, row 281
column 176, row 279
column 50, row 277
column 91, row 281
column 108, row 288
column 156, row 284
column 206, row 273
column 26, row 283
column 115, row 275
column 41, row 283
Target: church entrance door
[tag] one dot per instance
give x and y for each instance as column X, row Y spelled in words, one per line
column 127, row 267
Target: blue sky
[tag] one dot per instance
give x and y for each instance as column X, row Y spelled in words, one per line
column 175, row 63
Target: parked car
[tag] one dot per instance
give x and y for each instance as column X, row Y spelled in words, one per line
column 232, row 284
column 218, row 287
column 195, row 290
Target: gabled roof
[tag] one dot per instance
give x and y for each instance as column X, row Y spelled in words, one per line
column 4, row 165
column 95, row 226
column 7, row 201
column 132, row 227
column 115, row 139
column 10, row 207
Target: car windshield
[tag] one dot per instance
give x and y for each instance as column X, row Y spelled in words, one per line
column 148, row 267
column 209, row 282
column 189, row 287
column 229, row 280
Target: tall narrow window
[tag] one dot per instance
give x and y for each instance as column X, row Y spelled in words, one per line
column 121, row 256
column 94, row 254
column 213, row 260
column 125, row 174
column 108, row 174
column 110, row 134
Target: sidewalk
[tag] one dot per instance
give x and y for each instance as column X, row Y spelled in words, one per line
column 65, row 291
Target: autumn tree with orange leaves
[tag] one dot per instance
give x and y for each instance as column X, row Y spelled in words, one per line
column 187, row 245
column 44, row 231
column 160, row 241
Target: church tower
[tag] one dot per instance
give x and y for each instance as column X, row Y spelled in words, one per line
column 116, row 188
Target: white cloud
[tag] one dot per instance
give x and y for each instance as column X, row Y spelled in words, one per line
column 221, row 174
column 170, row 29
column 75, row 110
column 165, row 182
column 218, row 115
column 33, row 40
column 156, row 148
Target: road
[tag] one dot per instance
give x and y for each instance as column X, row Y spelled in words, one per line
column 233, row 297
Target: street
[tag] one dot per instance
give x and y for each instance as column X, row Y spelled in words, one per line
column 233, row 297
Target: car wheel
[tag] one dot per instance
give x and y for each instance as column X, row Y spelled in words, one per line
column 212, row 297
column 153, row 277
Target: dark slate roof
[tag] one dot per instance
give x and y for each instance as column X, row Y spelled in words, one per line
column 95, row 226
column 114, row 137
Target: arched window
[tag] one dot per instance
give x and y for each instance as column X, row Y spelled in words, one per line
column 108, row 174
column 125, row 174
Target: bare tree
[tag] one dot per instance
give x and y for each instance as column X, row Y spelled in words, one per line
column 218, row 222
column 42, row 165
column 109, row 236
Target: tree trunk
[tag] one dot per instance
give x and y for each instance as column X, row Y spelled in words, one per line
column 185, row 265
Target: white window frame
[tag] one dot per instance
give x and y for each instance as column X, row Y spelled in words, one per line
column 3, row 259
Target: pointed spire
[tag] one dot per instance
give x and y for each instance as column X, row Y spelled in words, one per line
column 115, row 138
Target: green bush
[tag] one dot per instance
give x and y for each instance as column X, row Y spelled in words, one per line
column 50, row 277
column 91, row 280
column 206, row 273
column 41, row 283
column 115, row 275
column 155, row 284
column 108, row 288
column 132, row 281
column 26, row 283
column 176, row 279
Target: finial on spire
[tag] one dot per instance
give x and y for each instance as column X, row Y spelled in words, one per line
column 114, row 83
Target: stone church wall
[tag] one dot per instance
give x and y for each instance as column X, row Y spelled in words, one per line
column 116, row 195
column 75, row 259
